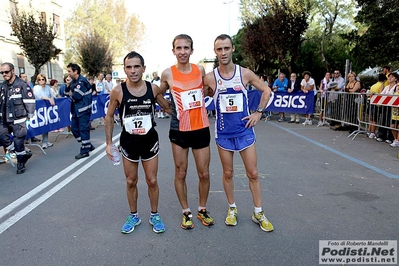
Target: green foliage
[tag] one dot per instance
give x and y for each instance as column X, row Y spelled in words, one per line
column 379, row 44
column 95, row 55
column 35, row 38
column 274, row 38
column 110, row 20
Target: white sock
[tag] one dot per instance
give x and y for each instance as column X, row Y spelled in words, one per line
column 233, row 205
column 258, row 210
column 201, row 208
column 186, row 210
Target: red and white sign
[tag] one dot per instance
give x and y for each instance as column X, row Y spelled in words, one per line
column 387, row 100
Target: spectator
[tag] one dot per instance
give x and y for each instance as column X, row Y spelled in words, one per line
column 375, row 110
column 395, row 122
column 67, row 81
column 350, row 111
column 24, row 77
column 93, row 92
column 386, row 113
column 43, row 92
column 307, row 84
column 54, row 87
column 280, row 85
column 294, row 85
column 157, row 81
column 386, row 70
column 339, row 80
column 324, row 86
column 108, row 84
column 334, row 98
column 100, row 84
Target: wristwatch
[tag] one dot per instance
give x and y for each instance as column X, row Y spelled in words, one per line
column 259, row 110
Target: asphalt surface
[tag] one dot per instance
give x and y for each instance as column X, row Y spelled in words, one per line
column 317, row 185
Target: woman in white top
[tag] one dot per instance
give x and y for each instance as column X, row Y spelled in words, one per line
column 307, row 84
column 43, row 92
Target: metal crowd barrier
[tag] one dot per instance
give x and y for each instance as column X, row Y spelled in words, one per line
column 359, row 110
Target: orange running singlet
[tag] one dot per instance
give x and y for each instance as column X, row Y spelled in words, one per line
column 189, row 112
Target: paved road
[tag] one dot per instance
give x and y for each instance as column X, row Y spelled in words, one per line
column 317, row 185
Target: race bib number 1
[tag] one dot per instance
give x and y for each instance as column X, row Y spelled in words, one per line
column 191, row 99
column 231, row 103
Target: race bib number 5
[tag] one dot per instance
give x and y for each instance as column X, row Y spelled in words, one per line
column 191, row 99
column 231, row 103
column 137, row 125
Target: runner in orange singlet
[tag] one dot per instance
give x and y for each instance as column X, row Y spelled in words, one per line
column 189, row 127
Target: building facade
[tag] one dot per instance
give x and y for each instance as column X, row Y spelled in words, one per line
column 52, row 12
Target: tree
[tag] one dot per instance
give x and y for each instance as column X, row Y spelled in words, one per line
column 95, row 55
column 378, row 44
column 329, row 19
column 35, row 38
column 274, row 38
column 110, row 20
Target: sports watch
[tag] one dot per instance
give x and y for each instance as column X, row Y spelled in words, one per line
column 259, row 110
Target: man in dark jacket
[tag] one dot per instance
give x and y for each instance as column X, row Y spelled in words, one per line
column 17, row 105
column 80, row 92
column 294, row 85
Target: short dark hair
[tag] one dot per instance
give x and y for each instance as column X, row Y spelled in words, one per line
column 185, row 37
column 65, row 77
column 11, row 66
column 381, row 77
column 134, row 54
column 306, row 73
column 396, row 75
column 224, row 37
column 74, row 67
column 387, row 68
column 20, row 74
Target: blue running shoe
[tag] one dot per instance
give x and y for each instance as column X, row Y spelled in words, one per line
column 157, row 224
column 131, row 221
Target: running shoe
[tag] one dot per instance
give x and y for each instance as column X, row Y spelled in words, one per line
column 205, row 218
column 231, row 218
column 157, row 224
column 263, row 222
column 187, row 221
column 395, row 143
column 131, row 221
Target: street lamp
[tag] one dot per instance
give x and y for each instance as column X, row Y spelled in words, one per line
column 228, row 3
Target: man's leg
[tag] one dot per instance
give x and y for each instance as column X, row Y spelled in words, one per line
column 180, row 157
column 131, row 173
column 84, row 131
column 226, row 158
column 151, row 170
column 19, row 132
column 202, row 159
column 250, row 162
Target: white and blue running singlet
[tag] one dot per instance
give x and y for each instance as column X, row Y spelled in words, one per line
column 231, row 103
